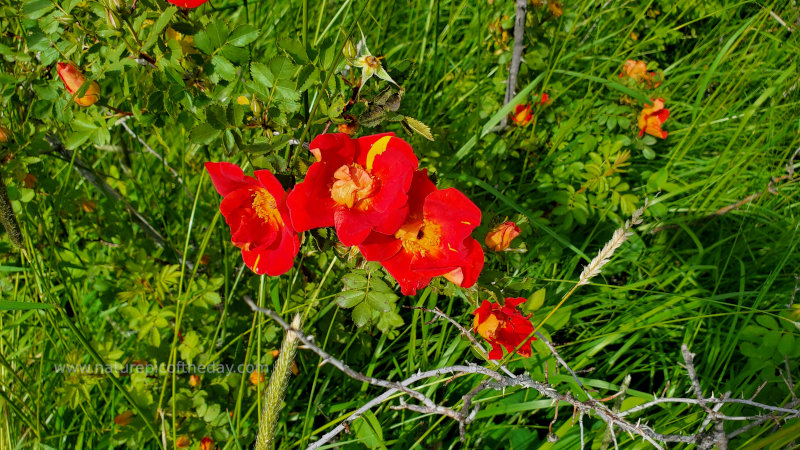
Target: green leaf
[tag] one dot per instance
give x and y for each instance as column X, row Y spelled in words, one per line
column 368, row 431
column 768, row 322
column 380, row 301
column 418, row 127
column 37, row 8
column 7, row 305
column 158, row 27
column 308, row 76
column 282, row 67
column 236, row 55
column 204, row 134
column 786, row 344
column 388, row 321
column 243, row 35
column 235, row 114
column 216, row 116
column 223, row 67
column 295, row 49
column 379, row 285
column 262, row 75
column 190, row 347
column 535, row 301
column 213, row 37
column 362, row 314
column 354, row 281
column 348, row 299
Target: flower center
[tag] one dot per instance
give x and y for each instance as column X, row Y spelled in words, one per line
column 353, row 186
column 266, row 207
column 372, row 62
column 487, row 328
column 420, row 238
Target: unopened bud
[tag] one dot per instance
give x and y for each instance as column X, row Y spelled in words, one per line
column 65, row 20
column 5, row 134
column 117, row 5
column 349, row 50
column 256, row 106
column 73, row 79
column 112, row 19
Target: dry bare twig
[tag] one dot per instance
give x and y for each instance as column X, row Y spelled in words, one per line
column 516, row 54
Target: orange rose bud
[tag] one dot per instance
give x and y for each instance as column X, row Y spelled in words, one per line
column 124, row 418
column 194, row 380
column 500, row 237
column 651, row 118
column 5, row 134
column 256, row 377
column 207, row 444
column 73, row 79
column 183, row 441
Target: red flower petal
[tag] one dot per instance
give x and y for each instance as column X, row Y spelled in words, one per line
column 496, row 353
column 379, row 247
column 276, row 259
column 228, row 177
column 314, row 191
column 247, row 229
column 336, row 149
column 472, row 266
column 409, row 280
column 187, row 3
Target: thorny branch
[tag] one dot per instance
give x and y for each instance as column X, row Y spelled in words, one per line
column 498, row 381
column 123, row 123
column 516, row 54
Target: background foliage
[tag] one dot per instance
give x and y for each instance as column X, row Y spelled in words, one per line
column 239, row 82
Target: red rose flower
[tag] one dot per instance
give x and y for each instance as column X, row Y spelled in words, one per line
column 504, row 326
column 523, row 115
column 187, row 3
column 357, row 185
column 255, row 210
column 434, row 240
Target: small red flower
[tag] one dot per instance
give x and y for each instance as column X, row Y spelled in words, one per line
column 434, row 240
column 357, row 185
column 124, row 419
column 187, row 3
column 255, row 210
column 499, row 238
column 545, row 98
column 651, row 118
column 504, row 326
column 523, row 115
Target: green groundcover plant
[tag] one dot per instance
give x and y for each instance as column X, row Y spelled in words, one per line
column 440, row 224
